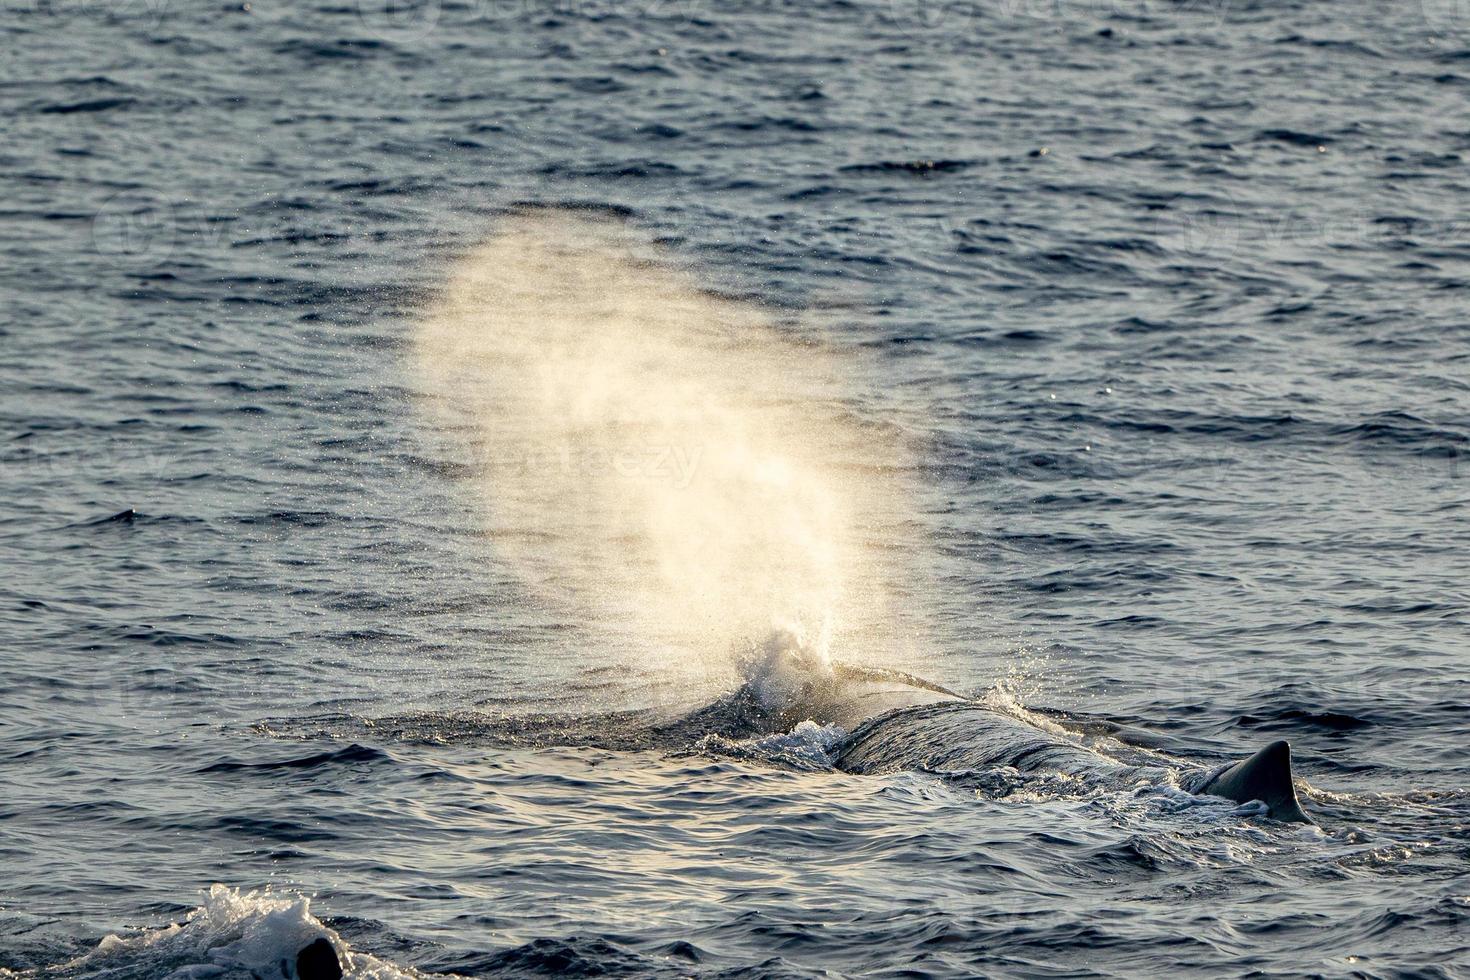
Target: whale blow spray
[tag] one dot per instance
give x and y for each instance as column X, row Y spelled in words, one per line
column 683, row 474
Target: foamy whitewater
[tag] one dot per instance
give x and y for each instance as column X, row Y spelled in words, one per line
column 232, row 935
column 451, row 455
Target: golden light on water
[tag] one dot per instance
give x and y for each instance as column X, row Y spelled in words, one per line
column 667, row 462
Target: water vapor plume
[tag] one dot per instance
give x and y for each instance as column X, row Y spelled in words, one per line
column 681, row 473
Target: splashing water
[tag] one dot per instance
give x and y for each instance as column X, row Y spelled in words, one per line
column 235, row 933
column 666, row 461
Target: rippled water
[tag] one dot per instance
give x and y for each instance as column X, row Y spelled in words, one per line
column 1170, row 299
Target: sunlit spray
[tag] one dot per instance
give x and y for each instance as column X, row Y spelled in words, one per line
column 685, row 475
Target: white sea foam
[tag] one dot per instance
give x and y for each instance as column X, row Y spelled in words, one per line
column 807, row 741
column 807, row 746
column 233, row 934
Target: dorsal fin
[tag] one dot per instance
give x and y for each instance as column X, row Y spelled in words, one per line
column 1265, row 776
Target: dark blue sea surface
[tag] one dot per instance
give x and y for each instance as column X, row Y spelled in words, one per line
column 1167, row 302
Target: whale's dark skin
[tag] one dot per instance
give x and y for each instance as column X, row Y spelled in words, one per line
column 899, row 722
column 1265, row 776
column 318, row 961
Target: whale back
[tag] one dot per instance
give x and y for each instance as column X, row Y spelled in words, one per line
column 850, row 696
column 900, row 722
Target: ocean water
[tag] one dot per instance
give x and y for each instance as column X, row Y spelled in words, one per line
column 411, row 412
